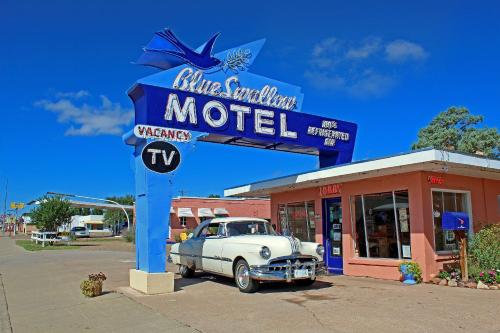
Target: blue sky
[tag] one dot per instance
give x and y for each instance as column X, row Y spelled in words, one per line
column 387, row 66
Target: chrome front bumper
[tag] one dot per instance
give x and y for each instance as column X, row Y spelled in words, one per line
column 283, row 269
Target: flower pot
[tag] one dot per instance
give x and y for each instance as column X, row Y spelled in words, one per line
column 91, row 288
column 408, row 278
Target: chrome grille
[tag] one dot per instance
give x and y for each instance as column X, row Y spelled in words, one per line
column 296, row 262
column 294, row 243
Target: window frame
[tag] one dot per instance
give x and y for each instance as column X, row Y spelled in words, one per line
column 468, row 202
column 355, row 245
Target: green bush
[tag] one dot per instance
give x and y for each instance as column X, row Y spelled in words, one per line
column 130, row 235
column 484, row 249
column 444, row 275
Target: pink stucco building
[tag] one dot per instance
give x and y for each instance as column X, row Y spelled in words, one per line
column 372, row 215
column 187, row 212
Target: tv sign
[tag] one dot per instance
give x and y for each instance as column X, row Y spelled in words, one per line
column 161, row 157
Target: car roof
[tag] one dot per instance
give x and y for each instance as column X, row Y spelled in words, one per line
column 226, row 220
column 235, row 219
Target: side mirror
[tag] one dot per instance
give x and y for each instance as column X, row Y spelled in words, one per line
column 190, row 235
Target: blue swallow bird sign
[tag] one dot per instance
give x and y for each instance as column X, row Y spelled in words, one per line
column 215, row 94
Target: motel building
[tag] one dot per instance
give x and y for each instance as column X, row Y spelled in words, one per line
column 371, row 215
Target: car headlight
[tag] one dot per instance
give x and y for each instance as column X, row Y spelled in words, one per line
column 265, row 252
column 320, row 250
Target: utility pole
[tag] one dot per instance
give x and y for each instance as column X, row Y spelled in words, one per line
column 5, row 205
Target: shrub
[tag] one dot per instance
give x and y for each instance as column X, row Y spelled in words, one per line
column 93, row 286
column 130, row 235
column 450, row 274
column 412, row 268
column 489, row 277
column 484, row 249
column 444, row 275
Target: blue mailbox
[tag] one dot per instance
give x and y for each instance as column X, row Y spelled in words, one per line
column 455, row 221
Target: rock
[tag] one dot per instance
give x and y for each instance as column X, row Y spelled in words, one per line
column 452, row 283
column 494, row 287
column 461, row 284
column 443, row 282
column 481, row 285
column 471, row 284
column 435, row 280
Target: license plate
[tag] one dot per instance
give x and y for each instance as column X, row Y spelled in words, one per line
column 301, row 273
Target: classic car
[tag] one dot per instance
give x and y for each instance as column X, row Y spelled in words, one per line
column 248, row 250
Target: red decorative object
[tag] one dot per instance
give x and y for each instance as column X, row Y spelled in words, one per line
column 330, row 190
column 435, row 180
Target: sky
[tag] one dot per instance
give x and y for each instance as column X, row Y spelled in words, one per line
column 389, row 66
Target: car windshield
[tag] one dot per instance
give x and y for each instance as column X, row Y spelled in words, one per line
column 78, row 229
column 249, row 228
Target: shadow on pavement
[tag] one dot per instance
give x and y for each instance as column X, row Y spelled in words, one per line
column 265, row 288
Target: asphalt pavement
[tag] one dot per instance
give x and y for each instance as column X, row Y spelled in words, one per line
column 41, row 294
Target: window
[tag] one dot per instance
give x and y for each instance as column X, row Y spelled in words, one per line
column 210, row 230
column 183, row 221
column 382, row 223
column 298, row 219
column 451, row 202
column 249, row 228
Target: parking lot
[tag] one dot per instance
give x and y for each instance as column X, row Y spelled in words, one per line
column 42, row 293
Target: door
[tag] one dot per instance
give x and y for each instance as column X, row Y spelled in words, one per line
column 212, row 248
column 332, row 236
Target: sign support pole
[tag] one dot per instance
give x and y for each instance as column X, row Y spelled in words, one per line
column 153, row 195
column 462, row 238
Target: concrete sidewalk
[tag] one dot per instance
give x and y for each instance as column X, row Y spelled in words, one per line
column 43, row 294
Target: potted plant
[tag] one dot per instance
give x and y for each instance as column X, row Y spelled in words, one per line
column 411, row 272
column 93, row 286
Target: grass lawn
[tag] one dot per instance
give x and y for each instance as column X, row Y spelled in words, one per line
column 32, row 246
column 101, row 239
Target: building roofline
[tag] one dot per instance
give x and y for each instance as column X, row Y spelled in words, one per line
column 421, row 156
column 222, row 198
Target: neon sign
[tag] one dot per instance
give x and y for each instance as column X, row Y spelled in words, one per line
column 194, row 92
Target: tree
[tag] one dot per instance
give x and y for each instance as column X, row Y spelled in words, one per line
column 214, row 196
column 114, row 216
column 456, row 129
column 51, row 213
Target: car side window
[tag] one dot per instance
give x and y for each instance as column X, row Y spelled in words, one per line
column 209, row 231
column 222, row 231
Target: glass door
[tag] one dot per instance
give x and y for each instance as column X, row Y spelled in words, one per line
column 332, row 219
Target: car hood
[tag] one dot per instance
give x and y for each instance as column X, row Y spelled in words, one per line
column 279, row 245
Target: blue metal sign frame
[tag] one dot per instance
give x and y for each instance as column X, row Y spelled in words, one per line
column 216, row 95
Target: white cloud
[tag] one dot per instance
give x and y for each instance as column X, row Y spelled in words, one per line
column 361, row 69
column 372, row 84
column 402, row 50
column 106, row 118
column 74, row 95
column 368, row 47
column 323, row 53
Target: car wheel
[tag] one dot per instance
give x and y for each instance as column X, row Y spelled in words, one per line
column 242, row 277
column 186, row 272
column 305, row 282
